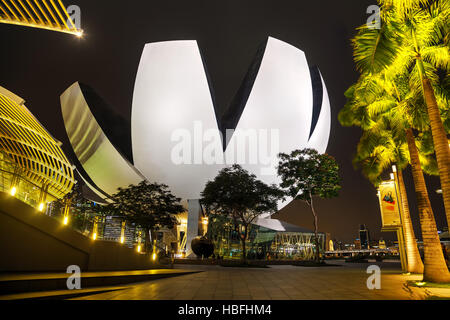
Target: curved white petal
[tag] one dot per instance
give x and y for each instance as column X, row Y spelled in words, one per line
column 172, row 100
column 280, row 104
column 321, row 135
column 106, row 167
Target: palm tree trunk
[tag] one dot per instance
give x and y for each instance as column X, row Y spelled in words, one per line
column 415, row 264
column 440, row 141
column 435, row 268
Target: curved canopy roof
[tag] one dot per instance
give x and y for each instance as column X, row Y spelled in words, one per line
column 43, row 14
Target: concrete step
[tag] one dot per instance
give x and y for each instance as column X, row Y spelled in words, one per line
column 23, row 283
column 59, row 294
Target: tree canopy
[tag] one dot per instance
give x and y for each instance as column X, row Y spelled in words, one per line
column 240, row 196
column 307, row 173
column 150, row 205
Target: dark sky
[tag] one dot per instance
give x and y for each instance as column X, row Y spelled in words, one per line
column 39, row 65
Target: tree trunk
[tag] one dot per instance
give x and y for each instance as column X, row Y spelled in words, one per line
column 244, row 253
column 316, row 230
column 415, row 264
column 441, row 144
column 435, row 268
column 147, row 240
column 440, row 141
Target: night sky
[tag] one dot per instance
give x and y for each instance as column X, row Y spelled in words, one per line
column 39, row 65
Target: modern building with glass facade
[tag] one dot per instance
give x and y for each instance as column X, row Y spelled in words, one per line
column 33, row 167
column 267, row 239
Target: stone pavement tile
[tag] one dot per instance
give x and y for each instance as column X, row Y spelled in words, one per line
column 261, row 297
column 242, row 297
column 284, row 297
column 222, row 296
column 184, row 296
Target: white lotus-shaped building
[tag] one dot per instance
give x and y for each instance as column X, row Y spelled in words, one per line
column 172, row 105
column 177, row 136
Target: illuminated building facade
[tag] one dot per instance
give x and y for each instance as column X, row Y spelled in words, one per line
column 33, row 166
column 364, row 237
column 267, row 239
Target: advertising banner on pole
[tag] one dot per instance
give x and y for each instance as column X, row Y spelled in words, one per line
column 389, row 206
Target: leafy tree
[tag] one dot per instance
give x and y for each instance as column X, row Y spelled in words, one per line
column 306, row 174
column 150, row 205
column 240, row 196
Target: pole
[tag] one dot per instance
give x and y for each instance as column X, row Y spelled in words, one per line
column 400, row 230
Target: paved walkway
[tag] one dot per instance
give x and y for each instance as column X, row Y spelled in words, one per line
column 346, row 282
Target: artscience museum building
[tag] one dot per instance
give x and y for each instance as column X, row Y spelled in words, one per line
column 178, row 137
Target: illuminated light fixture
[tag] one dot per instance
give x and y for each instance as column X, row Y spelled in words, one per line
column 139, row 248
column 41, row 207
column 40, row 14
column 392, row 176
column 94, row 236
column 13, row 191
column 122, row 232
column 154, row 256
column 394, row 168
column 66, row 220
column 205, row 221
column 420, row 284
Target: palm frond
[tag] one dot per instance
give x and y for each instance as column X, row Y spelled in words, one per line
column 374, row 49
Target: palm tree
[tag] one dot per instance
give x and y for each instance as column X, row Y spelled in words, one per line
column 386, row 112
column 377, row 151
column 414, row 33
column 435, row 269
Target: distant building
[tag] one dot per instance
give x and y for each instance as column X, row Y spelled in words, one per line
column 357, row 244
column 330, row 245
column 364, row 237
